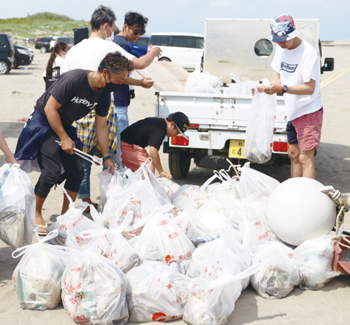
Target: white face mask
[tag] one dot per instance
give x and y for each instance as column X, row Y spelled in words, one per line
column 63, row 54
column 110, row 38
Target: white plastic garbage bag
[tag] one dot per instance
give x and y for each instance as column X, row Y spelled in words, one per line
column 17, row 206
column 94, row 290
column 156, row 292
column 227, row 248
column 279, row 272
column 109, row 184
column 226, row 190
column 190, row 196
column 211, row 302
column 193, row 80
column 139, row 197
column 252, row 181
column 162, row 240
column 205, row 223
column 169, row 186
column 315, row 260
column 111, row 244
column 202, row 82
column 71, row 224
column 145, row 173
column 254, row 228
column 259, row 134
column 37, row 277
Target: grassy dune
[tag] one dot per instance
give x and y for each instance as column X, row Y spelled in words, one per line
column 40, row 24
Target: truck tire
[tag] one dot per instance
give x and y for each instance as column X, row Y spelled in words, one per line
column 179, row 164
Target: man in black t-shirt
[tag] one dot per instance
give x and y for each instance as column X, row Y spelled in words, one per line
column 150, row 132
column 74, row 95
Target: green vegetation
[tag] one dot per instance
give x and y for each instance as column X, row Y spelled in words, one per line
column 40, row 24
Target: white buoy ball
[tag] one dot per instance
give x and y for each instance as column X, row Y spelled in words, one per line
column 298, row 211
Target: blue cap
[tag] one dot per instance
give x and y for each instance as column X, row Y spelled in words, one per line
column 282, row 29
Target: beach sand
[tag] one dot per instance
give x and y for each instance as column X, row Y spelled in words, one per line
column 19, row 92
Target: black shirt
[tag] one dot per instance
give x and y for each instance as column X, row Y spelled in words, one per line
column 73, row 92
column 148, row 132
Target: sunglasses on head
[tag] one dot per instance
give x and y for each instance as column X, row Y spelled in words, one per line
column 136, row 32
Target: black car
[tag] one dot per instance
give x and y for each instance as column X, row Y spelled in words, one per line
column 43, row 43
column 23, row 56
column 7, row 52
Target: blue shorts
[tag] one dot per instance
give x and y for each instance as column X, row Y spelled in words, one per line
column 291, row 133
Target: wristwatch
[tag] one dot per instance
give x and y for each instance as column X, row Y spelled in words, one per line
column 284, row 89
column 107, row 157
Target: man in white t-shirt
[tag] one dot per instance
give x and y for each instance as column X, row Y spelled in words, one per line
column 89, row 53
column 297, row 65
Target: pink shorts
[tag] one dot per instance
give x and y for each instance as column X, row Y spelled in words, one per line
column 308, row 129
column 134, row 156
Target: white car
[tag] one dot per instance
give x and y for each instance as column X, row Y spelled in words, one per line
column 183, row 48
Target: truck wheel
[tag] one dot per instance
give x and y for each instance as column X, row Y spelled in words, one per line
column 179, row 164
column 4, row 67
column 43, row 49
column 164, row 59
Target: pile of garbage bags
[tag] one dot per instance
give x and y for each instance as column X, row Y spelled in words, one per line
column 204, row 82
column 158, row 251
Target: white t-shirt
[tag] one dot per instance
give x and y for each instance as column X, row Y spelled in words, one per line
column 89, row 53
column 296, row 67
column 57, row 63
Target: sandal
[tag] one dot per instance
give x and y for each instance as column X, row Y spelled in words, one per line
column 41, row 226
column 87, row 210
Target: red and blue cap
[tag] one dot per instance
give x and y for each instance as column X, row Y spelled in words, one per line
column 282, row 29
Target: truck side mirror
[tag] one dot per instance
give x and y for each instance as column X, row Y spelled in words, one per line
column 328, row 65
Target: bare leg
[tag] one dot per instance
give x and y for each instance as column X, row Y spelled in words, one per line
column 296, row 169
column 38, row 210
column 307, row 161
column 65, row 206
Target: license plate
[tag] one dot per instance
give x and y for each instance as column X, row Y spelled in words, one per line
column 236, row 149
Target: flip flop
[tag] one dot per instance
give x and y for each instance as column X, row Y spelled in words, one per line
column 87, row 210
column 41, row 226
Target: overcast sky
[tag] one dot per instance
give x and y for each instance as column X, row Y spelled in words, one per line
column 189, row 15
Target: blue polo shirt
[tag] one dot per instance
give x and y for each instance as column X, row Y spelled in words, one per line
column 122, row 97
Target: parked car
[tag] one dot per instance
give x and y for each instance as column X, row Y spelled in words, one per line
column 23, row 56
column 66, row 39
column 43, row 43
column 29, row 40
column 139, row 48
column 7, row 53
column 182, row 48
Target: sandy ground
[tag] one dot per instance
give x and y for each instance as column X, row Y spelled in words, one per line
column 19, row 91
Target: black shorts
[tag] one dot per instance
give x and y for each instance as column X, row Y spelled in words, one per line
column 50, row 157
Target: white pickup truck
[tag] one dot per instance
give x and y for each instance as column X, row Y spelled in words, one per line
column 218, row 122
